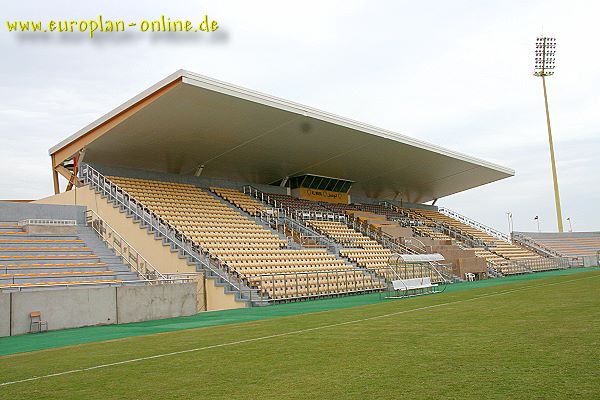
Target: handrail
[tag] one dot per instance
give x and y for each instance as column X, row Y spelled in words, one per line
column 293, row 219
column 302, row 228
column 475, row 224
column 492, row 268
column 453, row 232
column 259, row 195
column 388, row 241
column 266, row 198
column 105, row 232
column 420, row 250
column 534, row 264
column 93, row 283
column 38, row 221
column 177, row 239
column 303, row 214
column 528, row 242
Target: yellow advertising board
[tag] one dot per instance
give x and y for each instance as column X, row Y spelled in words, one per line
column 322, row 195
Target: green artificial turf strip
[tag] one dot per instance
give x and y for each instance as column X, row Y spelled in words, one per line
column 69, row 337
column 537, row 339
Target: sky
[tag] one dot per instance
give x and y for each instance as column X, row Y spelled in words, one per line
column 457, row 74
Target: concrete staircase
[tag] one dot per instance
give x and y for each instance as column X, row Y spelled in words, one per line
column 42, row 261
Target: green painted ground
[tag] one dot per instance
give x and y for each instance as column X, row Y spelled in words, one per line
column 532, row 338
column 69, row 337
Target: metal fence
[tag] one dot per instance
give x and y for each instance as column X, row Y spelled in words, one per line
column 541, row 264
column 300, row 285
column 48, row 222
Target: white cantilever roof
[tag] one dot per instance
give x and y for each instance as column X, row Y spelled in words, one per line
column 188, row 120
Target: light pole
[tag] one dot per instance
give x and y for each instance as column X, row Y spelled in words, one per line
column 510, row 222
column 544, row 64
column 570, row 225
column 537, row 218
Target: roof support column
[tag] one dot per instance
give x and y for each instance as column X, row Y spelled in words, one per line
column 55, row 181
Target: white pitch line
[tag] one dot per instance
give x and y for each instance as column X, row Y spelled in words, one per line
column 297, row 332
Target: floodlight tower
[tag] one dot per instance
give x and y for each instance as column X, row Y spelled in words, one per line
column 545, row 50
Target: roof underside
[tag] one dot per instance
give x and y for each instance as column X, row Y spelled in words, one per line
column 246, row 136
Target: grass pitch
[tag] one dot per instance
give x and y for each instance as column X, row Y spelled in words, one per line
column 532, row 339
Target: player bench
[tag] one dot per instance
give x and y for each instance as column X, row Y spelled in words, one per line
column 414, row 286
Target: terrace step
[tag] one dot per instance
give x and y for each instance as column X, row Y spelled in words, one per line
column 40, row 242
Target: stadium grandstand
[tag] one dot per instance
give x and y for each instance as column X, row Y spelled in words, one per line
column 581, row 246
column 199, row 189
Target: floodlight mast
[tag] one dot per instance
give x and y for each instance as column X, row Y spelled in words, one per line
column 544, row 66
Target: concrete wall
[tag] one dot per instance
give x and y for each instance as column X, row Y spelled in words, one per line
column 4, row 314
column 475, row 265
column 51, row 229
column 77, row 307
column 19, row 211
column 397, row 231
column 158, row 254
column 217, row 299
column 462, row 260
column 64, row 308
column 145, row 303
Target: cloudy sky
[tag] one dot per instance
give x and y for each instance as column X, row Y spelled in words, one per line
column 454, row 73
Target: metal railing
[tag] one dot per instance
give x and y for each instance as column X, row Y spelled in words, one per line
column 493, row 269
column 535, row 246
column 531, row 265
column 289, row 223
column 292, row 212
column 475, row 224
column 416, row 245
column 48, row 222
column 306, row 231
column 177, row 240
column 455, row 233
column 259, row 195
column 83, row 284
column 300, row 214
column 297, row 285
column 384, row 239
column 122, row 248
column 528, row 266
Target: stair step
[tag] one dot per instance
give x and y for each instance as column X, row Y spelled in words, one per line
column 21, row 242
column 26, row 236
column 100, row 282
column 8, row 251
column 54, row 258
